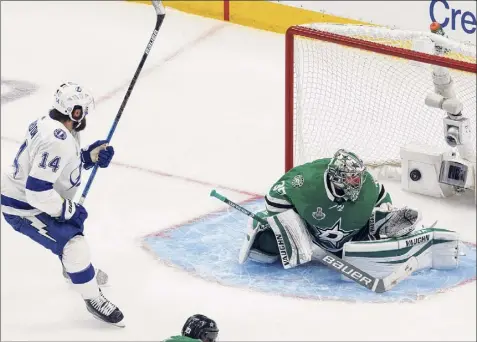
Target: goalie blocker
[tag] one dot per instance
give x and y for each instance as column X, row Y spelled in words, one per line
column 289, row 240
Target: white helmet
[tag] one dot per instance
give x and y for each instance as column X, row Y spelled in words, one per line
column 70, row 96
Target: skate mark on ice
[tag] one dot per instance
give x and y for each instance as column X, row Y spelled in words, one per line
column 149, row 70
column 13, row 90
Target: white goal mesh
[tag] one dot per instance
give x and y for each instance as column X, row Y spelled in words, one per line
column 367, row 99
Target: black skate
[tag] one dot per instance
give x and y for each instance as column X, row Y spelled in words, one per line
column 105, row 311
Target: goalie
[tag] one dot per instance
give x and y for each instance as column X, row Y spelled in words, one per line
column 322, row 205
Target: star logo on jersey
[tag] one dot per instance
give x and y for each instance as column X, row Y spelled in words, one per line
column 318, row 214
column 332, row 237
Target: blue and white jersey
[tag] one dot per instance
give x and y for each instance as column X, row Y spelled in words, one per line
column 45, row 171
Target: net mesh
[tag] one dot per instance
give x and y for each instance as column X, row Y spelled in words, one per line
column 367, row 102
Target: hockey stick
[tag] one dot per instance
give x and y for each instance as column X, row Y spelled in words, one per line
column 161, row 13
column 378, row 285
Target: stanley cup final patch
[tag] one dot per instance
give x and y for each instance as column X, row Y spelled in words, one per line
column 297, row 181
column 318, row 214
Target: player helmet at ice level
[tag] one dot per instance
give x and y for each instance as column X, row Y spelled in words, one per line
column 201, row 327
column 346, row 173
column 71, row 96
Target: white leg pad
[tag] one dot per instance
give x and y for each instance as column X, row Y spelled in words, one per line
column 261, row 257
column 433, row 247
column 253, row 228
column 77, row 258
column 293, row 239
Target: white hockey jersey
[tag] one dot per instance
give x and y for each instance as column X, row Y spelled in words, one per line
column 46, row 170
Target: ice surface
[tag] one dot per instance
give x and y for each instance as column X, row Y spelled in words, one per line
column 208, row 248
column 209, row 107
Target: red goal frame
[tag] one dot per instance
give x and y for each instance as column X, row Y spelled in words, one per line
column 299, row 31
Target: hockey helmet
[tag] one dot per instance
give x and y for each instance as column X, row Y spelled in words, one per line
column 71, row 97
column 200, row 327
column 347, row 173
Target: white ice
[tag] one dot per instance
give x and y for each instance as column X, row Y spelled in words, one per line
column 208, row 107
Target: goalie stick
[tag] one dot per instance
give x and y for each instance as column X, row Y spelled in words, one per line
column 378, row 285
column 160, row 13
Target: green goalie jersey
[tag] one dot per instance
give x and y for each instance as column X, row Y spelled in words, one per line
column 331, row 221
column 179, row 338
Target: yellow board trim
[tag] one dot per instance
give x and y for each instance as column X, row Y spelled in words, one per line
column 278, row 18
column 258, row 14
column 210, row 9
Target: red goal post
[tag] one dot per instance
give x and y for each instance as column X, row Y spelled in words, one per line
column 329, row 68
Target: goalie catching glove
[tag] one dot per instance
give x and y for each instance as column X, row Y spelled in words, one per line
column 387, row 221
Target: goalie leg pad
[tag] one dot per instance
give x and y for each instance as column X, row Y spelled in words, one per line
column 262, row 257
column 253, row 230
column 445, row 250
column 433, row 248
column 293, row 239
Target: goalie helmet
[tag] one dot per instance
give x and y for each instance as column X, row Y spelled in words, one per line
column 346, row 173
column 200, row 327
column 70, row 97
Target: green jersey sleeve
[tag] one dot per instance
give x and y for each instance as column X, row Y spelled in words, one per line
column 383, row 196
column 179, row 338
column 277, row 199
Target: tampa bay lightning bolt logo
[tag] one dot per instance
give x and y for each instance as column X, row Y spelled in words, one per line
column 75, row 177
column 60, row 134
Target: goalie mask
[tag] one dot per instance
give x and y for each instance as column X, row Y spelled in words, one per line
column 346, row 173
column 73, row 100
column 200, row 327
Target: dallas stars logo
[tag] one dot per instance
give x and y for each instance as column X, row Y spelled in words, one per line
column 332, row 237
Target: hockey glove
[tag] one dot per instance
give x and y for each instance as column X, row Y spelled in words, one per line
column 98, row 152
column 73, row 213
column 390, row 222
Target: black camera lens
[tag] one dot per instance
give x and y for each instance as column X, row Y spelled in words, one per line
column 451, row 140
column 415, row 175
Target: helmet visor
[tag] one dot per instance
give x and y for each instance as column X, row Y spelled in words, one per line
column 210, row 336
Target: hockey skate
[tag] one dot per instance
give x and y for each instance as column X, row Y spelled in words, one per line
column 101, row 277
column 102, row 309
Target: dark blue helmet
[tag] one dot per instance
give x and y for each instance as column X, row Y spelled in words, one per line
column 200, row 327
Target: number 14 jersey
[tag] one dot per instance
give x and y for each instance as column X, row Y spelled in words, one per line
column 46, row 170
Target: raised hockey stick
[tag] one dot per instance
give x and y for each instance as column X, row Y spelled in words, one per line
column 378, row 285
column 160, row 13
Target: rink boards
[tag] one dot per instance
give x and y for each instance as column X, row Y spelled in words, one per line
column 208, row 247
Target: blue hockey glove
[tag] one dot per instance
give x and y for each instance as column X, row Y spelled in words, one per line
column 73, row 213
column 99, row 152
column 105, row 156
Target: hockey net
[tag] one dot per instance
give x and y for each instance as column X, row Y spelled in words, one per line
column 363, row 88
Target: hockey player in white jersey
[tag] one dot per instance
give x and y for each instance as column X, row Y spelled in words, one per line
column 37, row 192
